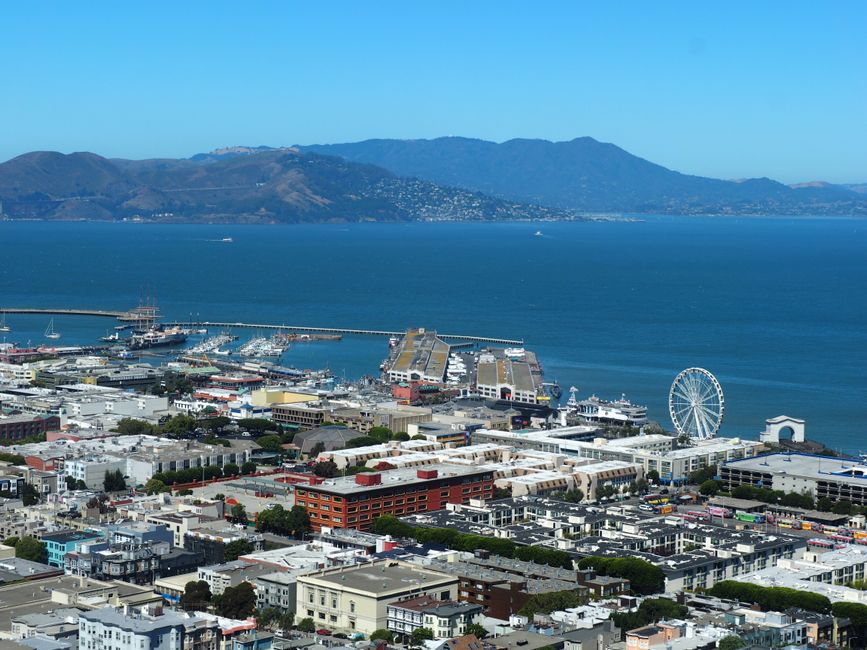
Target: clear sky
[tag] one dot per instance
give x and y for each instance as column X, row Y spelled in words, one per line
column 725, row 89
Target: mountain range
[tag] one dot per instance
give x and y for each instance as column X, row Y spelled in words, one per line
column 244, row 185
column 393, row 180
column 587, row 175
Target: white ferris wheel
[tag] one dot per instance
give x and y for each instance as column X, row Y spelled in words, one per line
column 696, row 403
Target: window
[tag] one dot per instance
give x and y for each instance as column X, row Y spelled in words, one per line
column 351, row 606
column 322, row 615
column 333, row 603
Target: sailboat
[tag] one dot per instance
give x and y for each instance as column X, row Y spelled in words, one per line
column 3, row 326
column 49, row 331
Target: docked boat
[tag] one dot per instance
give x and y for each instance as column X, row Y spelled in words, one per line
column 3, row 326
column 596, row 409
column 154, row 338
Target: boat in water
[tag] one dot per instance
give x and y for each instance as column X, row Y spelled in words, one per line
column 227, row 240
column 596, row 409
column 3, row 326
column 49, row 331
column 155, row 337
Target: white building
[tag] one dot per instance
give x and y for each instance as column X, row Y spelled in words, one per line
column 356, row 599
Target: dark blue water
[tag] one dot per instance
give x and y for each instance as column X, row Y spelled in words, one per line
column 774, row 307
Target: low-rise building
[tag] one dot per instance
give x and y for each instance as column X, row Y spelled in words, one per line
column 57, row 545
column 355, row 501
column 356, row 599
column 446, row 619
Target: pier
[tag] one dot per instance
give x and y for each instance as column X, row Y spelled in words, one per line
column 260, row 326
column 339, row 330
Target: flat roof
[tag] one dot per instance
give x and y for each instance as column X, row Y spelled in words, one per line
column 391, row 478
column 820, row 468
column 381, row 577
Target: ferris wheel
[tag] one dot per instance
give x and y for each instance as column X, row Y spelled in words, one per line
column 696, row 403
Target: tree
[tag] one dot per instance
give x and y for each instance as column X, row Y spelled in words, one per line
column 286, row 621
column 236, row 549
column 196, row 596
column 477, row 630
column 545, row 603
column 380, row 434
column 383, row 634
column 708, row 488
column 219, row 496
column 644, row 578
column 30, row 548
column 306, row 625
column 10, row 541
column 231, row 469
column 133, row 427
column 400, row 436
column 30, row 495
column 270, row 443
column 70, row 483
column 325, row 469
column 732, row 642
column 257, row 425
column 268, row 615
column 824, row 504
column 156, row 486
column 239, row 513
column 418, row 436
column 573, row 496
column 249, row 467
column 420, row 635
column 652, row 476
column 842, row 508
column 362, row 441
column 237, row 602
column 114, row 481
column 180, row 425
column 317, row 449
column 299, row 522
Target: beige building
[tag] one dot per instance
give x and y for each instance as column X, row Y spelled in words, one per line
column 356, row 599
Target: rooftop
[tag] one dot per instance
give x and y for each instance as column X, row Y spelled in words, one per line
column 403, row 476
column 380, row 577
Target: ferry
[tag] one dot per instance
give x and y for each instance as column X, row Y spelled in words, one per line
column 154, row 337
column 595, row 409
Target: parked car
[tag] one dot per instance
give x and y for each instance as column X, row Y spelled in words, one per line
column 323, row 632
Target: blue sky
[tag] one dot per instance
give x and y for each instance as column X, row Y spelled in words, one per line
column 727, row 89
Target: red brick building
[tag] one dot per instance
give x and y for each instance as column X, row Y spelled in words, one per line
column 17, row 427
column 355, row 501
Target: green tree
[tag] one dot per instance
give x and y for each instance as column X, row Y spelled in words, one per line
column 30, row 548
column 80, row 485
column 179, row 426
column 213, row 424
column 317, row 449
column 380, row 434
column 842, row 508
column 652, row 476
column 298, row 522
column 733, row 642
column 286, row 621
column 231, row 469
column 30, row 495
column 400, row 436
column 268, row 615
column 545, row 603
column 237, row 602
column 270, row 443
column 420, row 635
column 824, row 504
column 156, row 486
column 256, row 425
column 306, row 625
column 219, row 496
column 196, row 596
column 237, row 548
column 644, row 578
column 114, row 481
column 382, row 634
column 477, row 630
column 10, row 541
column 248, row 467
column 574, row 496
column 709, row 487
column 133, row 427
column 326, row 469
column 239, row 513
column 362, row 441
